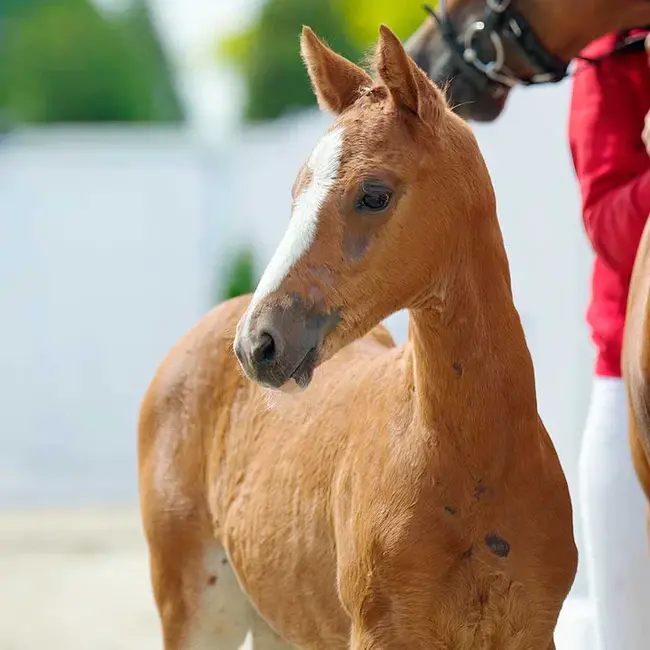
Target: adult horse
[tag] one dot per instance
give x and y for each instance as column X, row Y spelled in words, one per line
column 406, row 498
column 480, row 49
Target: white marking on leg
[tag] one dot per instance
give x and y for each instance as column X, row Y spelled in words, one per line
column 224, row 615
column 324, row 164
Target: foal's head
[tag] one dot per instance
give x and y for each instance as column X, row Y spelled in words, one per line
column 379, row 212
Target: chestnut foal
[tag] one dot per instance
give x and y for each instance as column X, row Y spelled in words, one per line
column 406, row 497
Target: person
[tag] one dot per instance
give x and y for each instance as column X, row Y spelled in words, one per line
column 609, row 104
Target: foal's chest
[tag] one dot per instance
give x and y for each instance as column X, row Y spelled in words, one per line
column 488, row 612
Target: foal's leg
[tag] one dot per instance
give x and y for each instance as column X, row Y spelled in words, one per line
column 200, row 603
column 199, row 600
column 213, row 613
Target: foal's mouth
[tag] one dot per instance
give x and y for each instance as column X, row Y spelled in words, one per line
column 280, row 348
column 304, row 371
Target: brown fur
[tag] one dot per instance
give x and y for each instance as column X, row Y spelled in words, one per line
column 636, row 361
column 409, row 497
column 565, row 29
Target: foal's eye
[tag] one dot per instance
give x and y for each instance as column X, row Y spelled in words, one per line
column 373, row 197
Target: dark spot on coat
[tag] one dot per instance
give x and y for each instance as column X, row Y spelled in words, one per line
column 212, row 580
column 457, row 368
column 480, row 489
column 497, row 545
column 468, row 553
column 450, row 510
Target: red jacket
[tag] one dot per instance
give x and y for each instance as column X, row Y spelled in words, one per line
column 608, row 106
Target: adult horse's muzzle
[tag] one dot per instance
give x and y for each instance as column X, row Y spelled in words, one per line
column 276, row 343
column 479, row 52
column 472, row 98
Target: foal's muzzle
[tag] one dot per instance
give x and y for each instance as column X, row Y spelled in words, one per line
column 275, row 344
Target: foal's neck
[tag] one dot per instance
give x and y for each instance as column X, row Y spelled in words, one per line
column 472, row 371
column 565, row 28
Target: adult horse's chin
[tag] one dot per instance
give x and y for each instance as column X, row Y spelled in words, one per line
column 472, row 104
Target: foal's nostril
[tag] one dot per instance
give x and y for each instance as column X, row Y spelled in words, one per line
column 239, row 350
column 265, row 349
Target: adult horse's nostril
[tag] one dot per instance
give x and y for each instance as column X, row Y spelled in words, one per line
column 265, row 350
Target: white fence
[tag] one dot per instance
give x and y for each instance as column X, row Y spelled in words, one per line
column 103, row 266
column 111, row 240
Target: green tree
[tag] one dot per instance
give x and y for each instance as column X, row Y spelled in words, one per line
column 65, row 62
column 361, row 18
column 163, row 98
column 240, row 275
column 267, row 52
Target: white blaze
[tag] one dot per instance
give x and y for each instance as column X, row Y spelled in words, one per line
column 324, row 164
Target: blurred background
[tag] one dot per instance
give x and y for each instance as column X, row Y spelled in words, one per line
column 147, row 151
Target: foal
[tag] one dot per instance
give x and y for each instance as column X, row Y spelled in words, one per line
column 406, row 497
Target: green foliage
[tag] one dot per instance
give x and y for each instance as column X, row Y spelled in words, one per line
column 155, row 69
column 65, row 62
column 240, row 275
column 267, row 52
column 362, row 18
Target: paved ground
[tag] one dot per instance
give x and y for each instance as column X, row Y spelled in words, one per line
column 75, row 581
column 79, row 581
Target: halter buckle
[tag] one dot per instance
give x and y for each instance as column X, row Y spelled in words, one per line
column 497, row 6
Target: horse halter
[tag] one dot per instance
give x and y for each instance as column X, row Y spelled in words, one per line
column 502, row 24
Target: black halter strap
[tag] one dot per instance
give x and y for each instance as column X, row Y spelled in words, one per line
column 501, row 23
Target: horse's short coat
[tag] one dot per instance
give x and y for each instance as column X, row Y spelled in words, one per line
column 406, row 497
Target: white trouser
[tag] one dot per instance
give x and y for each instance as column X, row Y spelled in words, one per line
column 616, row 549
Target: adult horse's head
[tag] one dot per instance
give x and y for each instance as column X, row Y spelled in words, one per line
column 481, row 49
column 378, row 212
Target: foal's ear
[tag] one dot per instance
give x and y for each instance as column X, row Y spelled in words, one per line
column 337, row 82
column 409, row 86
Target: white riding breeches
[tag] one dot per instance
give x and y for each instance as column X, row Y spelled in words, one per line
column 616, row 549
